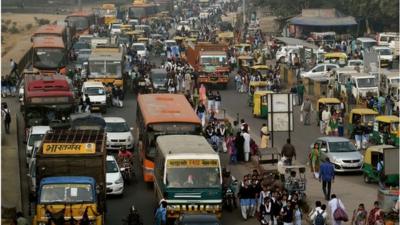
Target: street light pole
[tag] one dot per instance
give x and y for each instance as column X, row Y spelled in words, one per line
column 244, row 12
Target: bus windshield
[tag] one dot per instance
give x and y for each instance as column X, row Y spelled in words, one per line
column 79, row 22
column 49, row 58
column 201, row 177
column 66, row 193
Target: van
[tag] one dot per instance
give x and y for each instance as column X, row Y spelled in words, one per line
column 385, row 38
column 385, row 55
column 390, row 80
column 364, row 83
column 365, row 44
column 35, row 133
column 97, row 95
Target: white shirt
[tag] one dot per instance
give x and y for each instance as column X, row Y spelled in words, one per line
column 246, row 144
column 326, row 115
column 332, row 204
column 315, row 212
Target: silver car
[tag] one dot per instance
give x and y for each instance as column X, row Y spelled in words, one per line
column 341, row 152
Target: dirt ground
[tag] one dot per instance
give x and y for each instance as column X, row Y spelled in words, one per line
column 21, row 21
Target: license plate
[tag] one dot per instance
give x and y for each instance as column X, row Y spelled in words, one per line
column 352, row 165
column 95, row 108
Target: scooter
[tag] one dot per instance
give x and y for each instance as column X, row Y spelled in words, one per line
column 229, row 199
column 133, row 217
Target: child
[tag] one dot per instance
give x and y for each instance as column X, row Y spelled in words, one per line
column 297, row 214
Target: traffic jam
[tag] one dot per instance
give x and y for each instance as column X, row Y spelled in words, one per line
column 169, row 64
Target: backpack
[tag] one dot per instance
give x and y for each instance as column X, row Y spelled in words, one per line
column 319, row 219
column 7, row 116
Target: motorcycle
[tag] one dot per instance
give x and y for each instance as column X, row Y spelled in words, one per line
column 229, row 198
column 127, row 170
column 133, row 217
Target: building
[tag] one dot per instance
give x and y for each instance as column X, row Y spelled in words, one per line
column 319, row 20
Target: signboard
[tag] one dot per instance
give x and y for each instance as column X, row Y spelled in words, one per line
column 192, row 163
column 68, row 148
column 280, row 112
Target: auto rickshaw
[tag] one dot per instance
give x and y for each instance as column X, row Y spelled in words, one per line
column 245, row 62
column 386, row 130
column 242, row 48
column 260, row 104
column 225, row 37
column 384, row 154
column 330, row 102
column 179, row 39
column 135, row 35
column 365, row 116
column 263, row 70
column 143, row 40
column 294, row 178
column 339, row 58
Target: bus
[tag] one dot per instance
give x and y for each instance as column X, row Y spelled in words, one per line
column 187, row 175
column 106, row 65
column 161, row 114
column 49, row 54
column 54, row 30
column 141, row 10
column 81, row 21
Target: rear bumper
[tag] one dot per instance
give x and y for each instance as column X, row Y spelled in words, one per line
column 213, row 80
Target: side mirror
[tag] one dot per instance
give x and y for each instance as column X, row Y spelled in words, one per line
column 323, row 149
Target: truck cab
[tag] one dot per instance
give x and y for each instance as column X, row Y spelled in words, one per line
column 363, row 84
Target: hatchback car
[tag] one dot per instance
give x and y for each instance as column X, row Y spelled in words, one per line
column 196, row 219
column 341, row 152
column 118, row 133
column 114, row 180
column 320, row 70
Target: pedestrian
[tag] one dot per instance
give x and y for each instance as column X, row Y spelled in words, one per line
column 318, row 215
column 246, row 144
column 288, row 152
column 333, row 126
column 161, row 214
column 87, row 103
column 300, row 92
column 334, row 204
column 20, row 219
column 239, row 144
column 297, row 213
column 381, row 104
column 264, row 133
column 276, row 207
column 287, row 214
column 6, row 115
column 217, row 102
column 81, row 103
column 210, row 101
column 14, row 68
column 359, row 215
column 13, row 85
column 375, row 216
column 266, row 210
column 307, row 109
column 326, row 176
column 326, row 116
column 201, row 110
column 358, row 132
column 232, row 151
column 254, row 191
column 244, row 197
column 389, row 102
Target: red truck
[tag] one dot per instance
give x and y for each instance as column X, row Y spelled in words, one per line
column 210, row 61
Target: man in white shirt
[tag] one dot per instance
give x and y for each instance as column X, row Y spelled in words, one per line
column 246, row 144
column 326, row 116
column 319, row 209
column 333, row 205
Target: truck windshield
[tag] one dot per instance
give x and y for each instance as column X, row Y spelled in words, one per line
column 395, row 81
column 49, row 58
column 194, row 177
column 66, row 193
column 79, row 22
column 213, row 60
column 35, row 137
column 384, row 51
column 105, row 68
column 366, row 82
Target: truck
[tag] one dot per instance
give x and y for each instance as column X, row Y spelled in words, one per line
column 210, row 62
column 48, row 100
column 70, row 177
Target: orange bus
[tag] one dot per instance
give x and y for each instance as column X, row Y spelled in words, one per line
column 81, row 21
column 161, row 114
column 49, row 54
column 55, row 30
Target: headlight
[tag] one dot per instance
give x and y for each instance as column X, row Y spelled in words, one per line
column 119, row 181
column 337, row 161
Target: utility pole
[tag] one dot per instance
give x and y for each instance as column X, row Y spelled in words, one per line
column 244, row 12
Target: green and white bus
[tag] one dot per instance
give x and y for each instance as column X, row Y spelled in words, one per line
column 188, row 175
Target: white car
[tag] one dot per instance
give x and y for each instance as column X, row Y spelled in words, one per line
column 118, row 133
column 140, row 49
column 353, row 63
column 169, row 43
column 320, row 70
column 21, row 92
column 114, row 179
column 36, row 133
column 385, row 55
column 97, row 95
column 31, row 158
column 115, row 28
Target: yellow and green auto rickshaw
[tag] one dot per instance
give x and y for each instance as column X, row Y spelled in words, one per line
column 364, row 115
column 330, row 102
column 386, row 156
column 263, row 70
column 339, row 58
column 386, row 130
column 260, row 104
column 245, row 62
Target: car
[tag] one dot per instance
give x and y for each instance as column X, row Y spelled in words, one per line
column 140, row 49
column 35, row 133
column 118, row 133
column 159, row 78
column 114, row 179
column 320, row 70
column 169, row 43
column 115, row 28
column 197, row 218
column 341, row 152
column 385, row 55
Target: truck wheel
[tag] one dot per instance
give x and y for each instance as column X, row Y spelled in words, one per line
column 367, row 179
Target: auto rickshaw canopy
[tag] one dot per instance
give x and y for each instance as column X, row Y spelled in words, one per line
column 327, row 101
column 361, row 112
column 374, row 148
column 260, row 67
column 227, row 35
column 387, row 119
column 335, row 55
